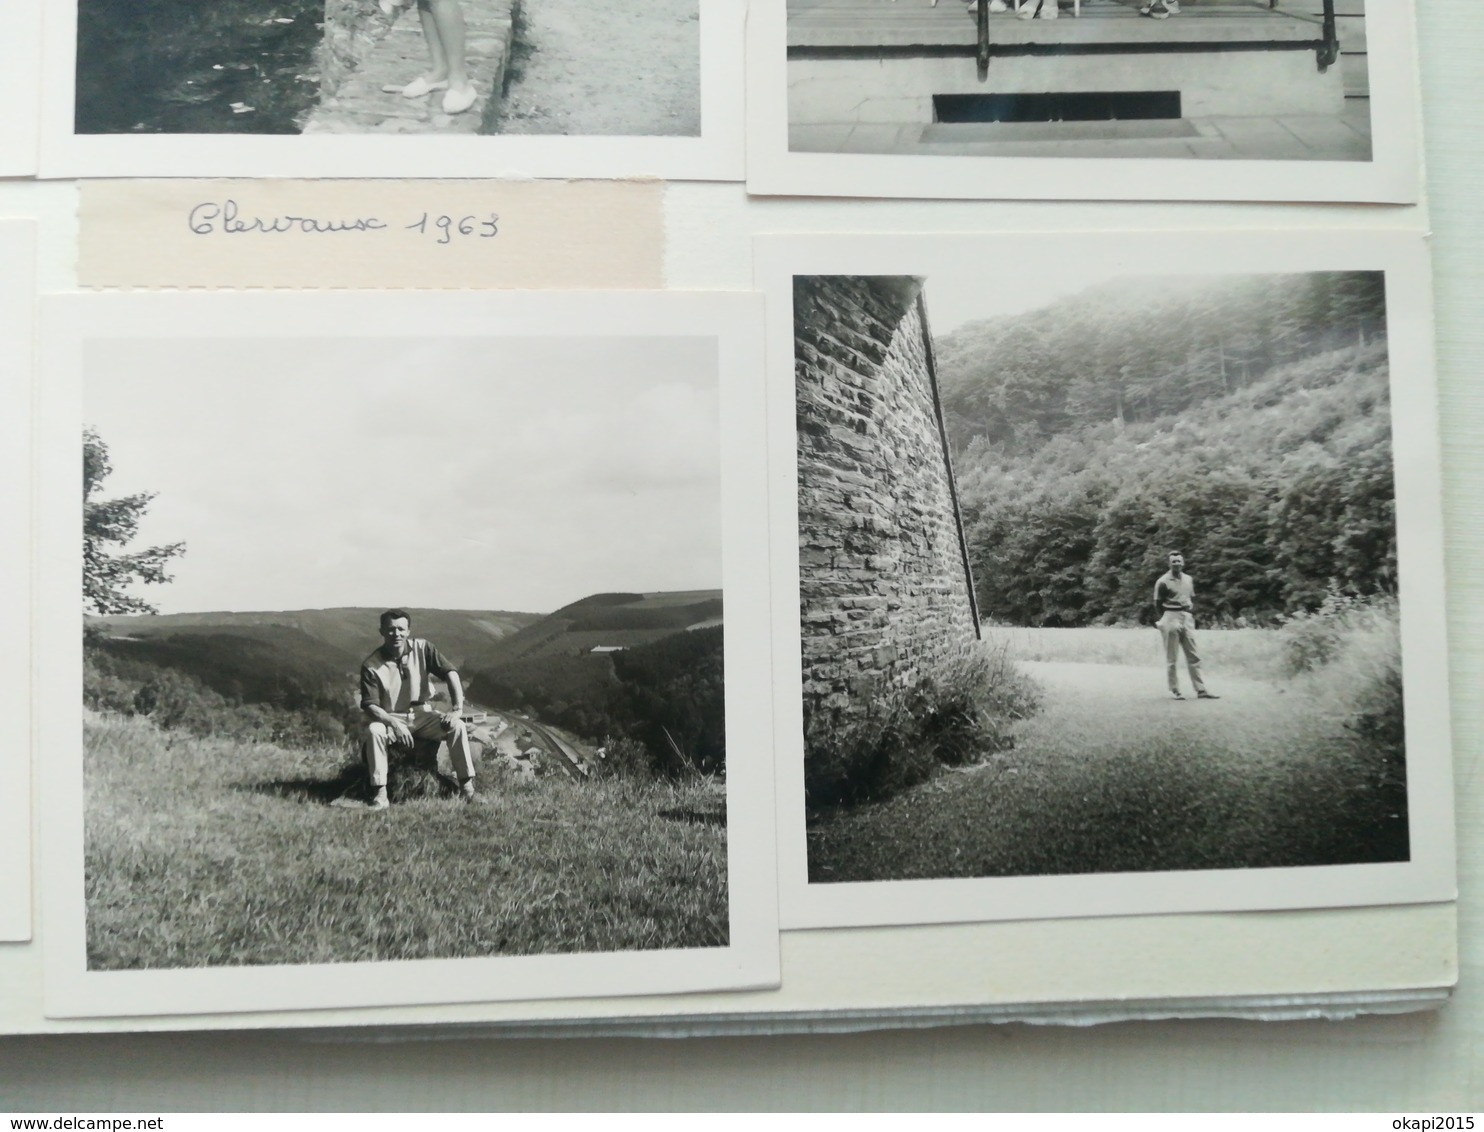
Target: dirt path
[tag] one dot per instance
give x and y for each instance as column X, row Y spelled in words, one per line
column 1114, row 775
column 606, row 67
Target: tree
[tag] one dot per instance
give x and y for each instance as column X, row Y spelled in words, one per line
column 108, row 524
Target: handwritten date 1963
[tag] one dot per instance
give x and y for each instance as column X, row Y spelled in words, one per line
column 227, row 218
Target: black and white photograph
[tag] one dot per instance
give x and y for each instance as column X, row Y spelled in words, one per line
column 1106, row 567
column 17, row 316
column 20, row 88
column 415, row 647
column 1295, row 90
column 324, row 87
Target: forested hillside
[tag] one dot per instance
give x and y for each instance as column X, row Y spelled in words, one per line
column 666, row 694
column 1245, row 422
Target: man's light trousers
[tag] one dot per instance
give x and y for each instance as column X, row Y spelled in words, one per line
column 1178, row 630
column 426, row 725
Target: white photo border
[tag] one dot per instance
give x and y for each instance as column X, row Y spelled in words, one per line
column 1393, row 175
column 20, row 90
column 1429, row 875
column 17, row 371
column 751, row 958
column 717, row 154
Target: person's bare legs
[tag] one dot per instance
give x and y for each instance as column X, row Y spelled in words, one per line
column 443, row 31
column 443, row 28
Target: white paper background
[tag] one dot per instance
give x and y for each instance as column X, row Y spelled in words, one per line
column 20, row 81
column 1402, row 1064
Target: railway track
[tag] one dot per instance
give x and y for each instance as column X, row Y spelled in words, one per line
column 567, row 757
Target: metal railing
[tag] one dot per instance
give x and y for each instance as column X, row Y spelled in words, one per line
column 1326, row 48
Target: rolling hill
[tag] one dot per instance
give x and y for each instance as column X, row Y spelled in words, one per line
column 609, row 621
column 348, row 633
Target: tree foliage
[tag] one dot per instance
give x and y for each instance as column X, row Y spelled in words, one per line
column 107, row 526
column 1246, row 423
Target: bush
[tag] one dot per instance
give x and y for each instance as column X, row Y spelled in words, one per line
column 1312, row 640
column 1350, row 654
column 622, row 757
column 957, row 714
column 177, row 701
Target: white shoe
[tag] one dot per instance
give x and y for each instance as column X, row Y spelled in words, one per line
column 998, row 6
column 417, row 88
column 459, row 99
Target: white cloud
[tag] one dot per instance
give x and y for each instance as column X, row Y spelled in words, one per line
column 510, row 473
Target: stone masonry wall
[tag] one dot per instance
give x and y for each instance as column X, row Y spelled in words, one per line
column 884, row 589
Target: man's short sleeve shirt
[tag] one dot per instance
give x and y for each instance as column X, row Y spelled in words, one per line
column 1171, row 592
column 399, row 684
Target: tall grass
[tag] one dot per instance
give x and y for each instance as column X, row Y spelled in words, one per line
column 958, row 712
column 205, row 852
column 1348, row 655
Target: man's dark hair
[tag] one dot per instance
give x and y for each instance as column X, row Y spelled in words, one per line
column 392, row 614
column 1172, row 554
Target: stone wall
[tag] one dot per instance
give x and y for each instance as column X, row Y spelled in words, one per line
column 352, row 28
column 885, row 593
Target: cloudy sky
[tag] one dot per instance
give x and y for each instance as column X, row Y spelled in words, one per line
column 961, row 288
column 516, row 474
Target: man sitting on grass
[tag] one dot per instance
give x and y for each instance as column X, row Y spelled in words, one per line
column 397, row 695
column 1174, row 597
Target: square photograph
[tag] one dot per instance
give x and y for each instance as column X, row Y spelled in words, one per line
column 1105, row 571
column 1302, row 89
column 401, row 87
column 377, row 677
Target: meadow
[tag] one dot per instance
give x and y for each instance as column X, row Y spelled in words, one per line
column 1256, row 653
column 217, row 852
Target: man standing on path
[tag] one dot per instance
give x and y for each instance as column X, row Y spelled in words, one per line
column 397, row 698
column 1174, row 597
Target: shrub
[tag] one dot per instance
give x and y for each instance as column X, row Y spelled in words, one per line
column 1352, row 649
column 1313, row 639
column 622, row 757
column 956, row 714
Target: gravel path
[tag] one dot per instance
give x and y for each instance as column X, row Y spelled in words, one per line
column 606, row 67
column 1115, row 776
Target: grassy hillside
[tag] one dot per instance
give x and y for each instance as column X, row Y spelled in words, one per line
column 214, row 852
